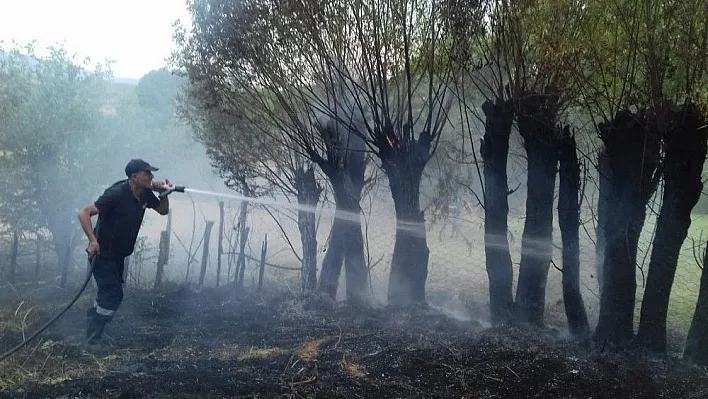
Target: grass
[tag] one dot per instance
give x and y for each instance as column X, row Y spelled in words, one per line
column 457, row 280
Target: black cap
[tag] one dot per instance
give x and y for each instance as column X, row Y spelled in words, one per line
column 138, row 165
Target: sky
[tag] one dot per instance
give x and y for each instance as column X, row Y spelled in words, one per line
column 135, row 34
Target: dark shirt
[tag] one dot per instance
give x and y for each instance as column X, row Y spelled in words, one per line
column 120, row 217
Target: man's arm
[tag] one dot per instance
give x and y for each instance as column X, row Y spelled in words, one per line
column 84, row 216
column 164, row 207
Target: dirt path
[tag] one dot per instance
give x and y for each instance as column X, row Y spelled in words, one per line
column 216, row 345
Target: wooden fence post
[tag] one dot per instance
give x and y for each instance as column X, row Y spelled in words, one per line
column 161, row 259
column 261, row 272
column 241, row 265
column 205, row 252
column 38, row 260
column 221, row 239
column 14, row 254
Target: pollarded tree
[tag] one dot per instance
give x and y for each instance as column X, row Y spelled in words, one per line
column 384, row 57
column 530, row 47
column 390, row 58
column 470, row 36
column 242, row 55
column 647, row 84
column 608, row 76
column 675, row 41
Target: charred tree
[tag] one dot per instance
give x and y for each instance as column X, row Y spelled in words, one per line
column 684, row 155
column 696, row 349
column 569, row 222
column 536, row 118
column 499, row 117
column 603, row 208
column 308, row 194
column 633, row 153
column 333, row 259
column 404, row 162
column 344, row 166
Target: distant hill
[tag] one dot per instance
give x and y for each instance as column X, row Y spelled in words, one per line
column 128, row 81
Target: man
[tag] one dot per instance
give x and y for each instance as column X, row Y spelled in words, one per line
column 120, row 211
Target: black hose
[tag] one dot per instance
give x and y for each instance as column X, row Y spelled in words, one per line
column 56, row 317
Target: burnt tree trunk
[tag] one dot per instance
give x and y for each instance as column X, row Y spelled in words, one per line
column 346, row 244
column 333, row 259
column 354, row 261
column 569, row 222
column 494, row 151
column 684, row 155
column 633, row 152
column 344, row 165
column 536, row 127
column 308, row 195
column 603, row 211
column 696, row 349
column 409, row 266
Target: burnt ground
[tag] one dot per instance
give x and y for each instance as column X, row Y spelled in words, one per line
column 216, row 344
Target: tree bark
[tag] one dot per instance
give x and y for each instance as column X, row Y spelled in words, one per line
column 344, row 165
column 684, row 155
column 696, row 349
column 603, row 212
column 334, row 256
column 409, row 266
column 569, row 221
column 633, row 152
column 346, row 243
column 308, row 195
column 536, row 127
column 494, row 151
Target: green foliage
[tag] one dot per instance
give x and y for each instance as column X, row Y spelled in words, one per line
column 51, row 109
column 639, row 53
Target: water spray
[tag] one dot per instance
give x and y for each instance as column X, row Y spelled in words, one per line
column 411, row 227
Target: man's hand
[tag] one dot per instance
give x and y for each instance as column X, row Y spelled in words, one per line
column 158, row 184
column 92, row 249
column 164, row 188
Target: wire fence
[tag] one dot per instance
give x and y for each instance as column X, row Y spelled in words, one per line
column 457, row 278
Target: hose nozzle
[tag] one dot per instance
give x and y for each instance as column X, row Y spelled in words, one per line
column 167, row 190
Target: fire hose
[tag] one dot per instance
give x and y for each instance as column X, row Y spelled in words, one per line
column 161, row 192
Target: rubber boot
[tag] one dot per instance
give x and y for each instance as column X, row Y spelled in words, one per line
column 98, row 323
column 90, row 322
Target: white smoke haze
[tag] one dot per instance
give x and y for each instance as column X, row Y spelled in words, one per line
column 457, row 279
